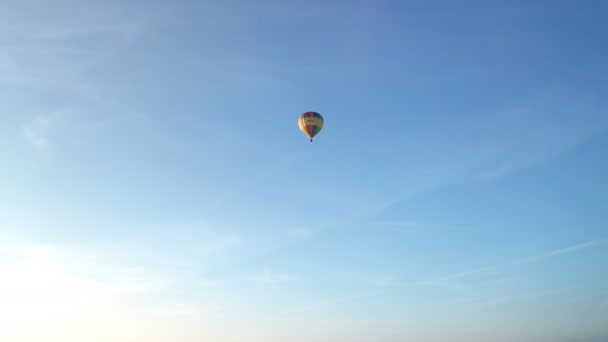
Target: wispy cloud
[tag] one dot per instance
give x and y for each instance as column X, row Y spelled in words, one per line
column 56, row 288
column 66, row 49
column 35, row 131
column 42, row 281
column 327, row 302
column 178, row 308
column 374, row 278
column 386, row 280
column 602, row 306
column 394, row 226
column 38, row 130
column 337, row 321
column 175, row 244
column 516, row 138
column 302, row 233
column 271, row 279
column 219, row 243
column 531, row 259
column 476, row 299
column 557, row 252
column 41, row 131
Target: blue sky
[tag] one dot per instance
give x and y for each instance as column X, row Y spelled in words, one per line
column 155, row 186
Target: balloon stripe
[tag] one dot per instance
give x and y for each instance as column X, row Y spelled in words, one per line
column 310, row 123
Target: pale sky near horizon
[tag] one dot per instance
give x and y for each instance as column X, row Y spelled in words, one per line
column 154, row 185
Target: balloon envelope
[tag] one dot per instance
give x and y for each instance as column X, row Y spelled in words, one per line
column 310, row 123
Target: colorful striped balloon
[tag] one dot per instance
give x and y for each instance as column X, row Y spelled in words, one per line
column 310, row 123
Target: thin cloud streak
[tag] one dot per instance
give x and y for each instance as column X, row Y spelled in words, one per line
column 561, row 251
column 326, row 302
column 506, row 298
column 526, row 260
column 337, row 321
column 385, row 281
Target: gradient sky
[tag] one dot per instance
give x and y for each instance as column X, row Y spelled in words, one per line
column 154, row 185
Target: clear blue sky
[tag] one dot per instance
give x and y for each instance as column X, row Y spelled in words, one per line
column 154, row 185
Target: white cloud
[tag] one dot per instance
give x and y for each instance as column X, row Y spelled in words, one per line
column 271, row 279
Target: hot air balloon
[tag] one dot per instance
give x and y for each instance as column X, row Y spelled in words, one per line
column 310, row 123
